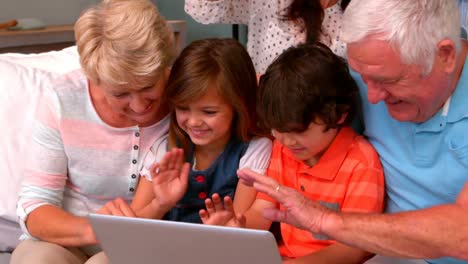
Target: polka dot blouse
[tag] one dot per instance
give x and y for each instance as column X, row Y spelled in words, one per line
column 269, row 34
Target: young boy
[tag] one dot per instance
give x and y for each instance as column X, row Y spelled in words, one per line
column 308, row 99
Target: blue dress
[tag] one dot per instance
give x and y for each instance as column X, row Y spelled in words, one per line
column 220, row 177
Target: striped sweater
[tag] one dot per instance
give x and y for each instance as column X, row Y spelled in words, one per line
column 76, row 161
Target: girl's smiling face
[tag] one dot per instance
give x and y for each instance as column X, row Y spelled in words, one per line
column 207, row 120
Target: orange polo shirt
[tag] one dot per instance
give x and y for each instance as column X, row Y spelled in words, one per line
column 348, row 177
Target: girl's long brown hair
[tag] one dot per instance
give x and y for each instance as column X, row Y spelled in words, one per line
column 221, row 63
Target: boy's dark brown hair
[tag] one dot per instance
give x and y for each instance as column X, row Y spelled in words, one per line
column 306, row 83
column 220, row 63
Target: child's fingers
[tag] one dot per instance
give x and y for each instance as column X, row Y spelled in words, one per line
column 154, row 170
column 204, row 215
column 164, row 161
column 172, row 160
column 218, row 205
column 209, row 206
column 185, row 171
column 181, row 159
column 175, row 156
column 228, row 204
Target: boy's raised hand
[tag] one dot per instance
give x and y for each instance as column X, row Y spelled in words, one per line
column 170, row 178
column 217, row 214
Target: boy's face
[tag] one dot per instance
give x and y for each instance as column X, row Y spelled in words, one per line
column 308, row 145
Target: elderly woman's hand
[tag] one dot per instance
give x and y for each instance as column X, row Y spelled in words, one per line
column 117, row 207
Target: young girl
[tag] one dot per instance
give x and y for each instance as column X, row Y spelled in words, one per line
column 212, row 87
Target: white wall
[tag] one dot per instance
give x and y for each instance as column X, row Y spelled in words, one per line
column 51, row 12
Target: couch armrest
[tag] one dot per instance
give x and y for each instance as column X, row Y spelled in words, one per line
column 10, row 235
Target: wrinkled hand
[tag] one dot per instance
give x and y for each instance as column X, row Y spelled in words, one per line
column 299, row 211
column 117, row 207
column 217, row 214
column 170, row 178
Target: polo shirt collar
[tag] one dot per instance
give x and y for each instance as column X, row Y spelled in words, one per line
column 458, row 109
column 454, row 108
column 329, row 164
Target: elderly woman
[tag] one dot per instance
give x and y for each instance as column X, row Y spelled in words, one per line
column 93, row 129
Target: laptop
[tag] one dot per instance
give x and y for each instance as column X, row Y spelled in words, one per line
column 145, row 241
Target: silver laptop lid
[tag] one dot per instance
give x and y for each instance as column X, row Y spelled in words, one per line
column 145, row 241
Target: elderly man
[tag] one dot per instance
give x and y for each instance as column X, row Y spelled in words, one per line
column 411, row 68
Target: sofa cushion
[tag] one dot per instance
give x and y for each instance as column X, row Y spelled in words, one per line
column 23, row 79
column 61, row 61
column 21, row 87
column 10, row 233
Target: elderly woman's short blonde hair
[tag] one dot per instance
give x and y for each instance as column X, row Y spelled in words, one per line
column 124, row 42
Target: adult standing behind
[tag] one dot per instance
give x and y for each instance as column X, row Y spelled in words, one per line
column 275, row 26
column 92, row 130
column 414, row 85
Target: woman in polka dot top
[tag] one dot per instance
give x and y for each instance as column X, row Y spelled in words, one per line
column 276, row 25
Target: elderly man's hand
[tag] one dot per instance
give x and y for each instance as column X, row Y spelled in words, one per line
column 299, row 211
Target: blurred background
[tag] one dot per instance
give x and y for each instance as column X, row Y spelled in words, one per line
column 61, row 12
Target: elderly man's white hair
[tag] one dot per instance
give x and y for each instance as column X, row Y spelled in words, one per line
column 413, row 27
